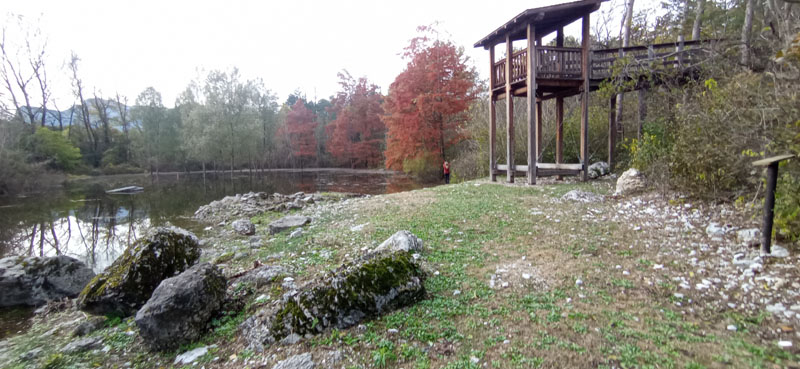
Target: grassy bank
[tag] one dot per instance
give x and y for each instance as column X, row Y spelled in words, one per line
column 519, row 279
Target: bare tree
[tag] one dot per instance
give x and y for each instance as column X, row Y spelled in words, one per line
column 698, row 19
column 15, row 80
column 625, row 30
column 101, row 107
column 77, row 86
column 748, row 24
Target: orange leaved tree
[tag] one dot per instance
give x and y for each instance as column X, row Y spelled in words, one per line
column 300, row 125
column 426, row 105
column 356, row 137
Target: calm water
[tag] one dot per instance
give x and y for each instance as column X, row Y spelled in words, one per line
column 84, row 222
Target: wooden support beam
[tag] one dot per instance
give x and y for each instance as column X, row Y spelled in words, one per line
column 534, row 122
column 642, row 110
column 509, row 112
column 492, row 118
column 559, row 130
column 612, row 132
column 585, row 63
column 539, row 132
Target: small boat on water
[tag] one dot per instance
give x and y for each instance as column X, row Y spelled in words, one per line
column 125, row 190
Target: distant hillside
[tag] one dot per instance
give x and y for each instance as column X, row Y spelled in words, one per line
column 68, row 117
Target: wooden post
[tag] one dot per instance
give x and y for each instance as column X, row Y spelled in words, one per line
column 585, row 64
column 534, row 122
column 509, row 113
column 642, row 110
column 539, row 134
column 612, row 132
column 492, row 118
column 769, row 199
column 559, row 129
column 560, row 108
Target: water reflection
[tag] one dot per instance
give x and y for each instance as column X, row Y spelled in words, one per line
column 84, row 222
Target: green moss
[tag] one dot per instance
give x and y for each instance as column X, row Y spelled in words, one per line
column 354, row 293
column 139, row 270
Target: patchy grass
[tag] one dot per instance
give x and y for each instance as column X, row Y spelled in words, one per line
column 471, row 230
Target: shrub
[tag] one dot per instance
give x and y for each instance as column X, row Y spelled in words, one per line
column 53, row 147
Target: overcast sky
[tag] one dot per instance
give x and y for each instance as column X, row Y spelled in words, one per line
column 126, row 46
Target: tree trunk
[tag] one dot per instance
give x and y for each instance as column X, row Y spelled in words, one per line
column 698, row 19
column 748, row 24
column 626, row 41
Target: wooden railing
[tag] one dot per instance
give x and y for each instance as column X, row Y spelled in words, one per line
column 565, row 62
column 640, row 59
column 551, row 62
column 558, row 63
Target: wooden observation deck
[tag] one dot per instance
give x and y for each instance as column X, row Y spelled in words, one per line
column 559, row 72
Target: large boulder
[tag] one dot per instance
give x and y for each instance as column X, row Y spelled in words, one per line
column 598, row 169
column 288, row 222
column 128, row 283
column 33, row 281
column 181, row 306
column 630, row 182
column 372, row 286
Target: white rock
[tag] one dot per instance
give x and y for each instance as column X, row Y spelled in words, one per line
column 749, row 237
column 358, row 228
column 784, row 343
column 578, row 282
column 631, row 181
column 732, row 328
column 189, row 357
column 526, row 276
column 778, row 252
column 474, row 360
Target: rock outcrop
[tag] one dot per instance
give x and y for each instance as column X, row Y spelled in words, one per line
column 34, row 281
column 302, row 361
column 374, row 285
column 128, row 283
column 288, row 222
column 181, row 306
column 630, row 182
column 250, row 204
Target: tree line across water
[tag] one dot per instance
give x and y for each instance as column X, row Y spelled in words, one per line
column 222, row 121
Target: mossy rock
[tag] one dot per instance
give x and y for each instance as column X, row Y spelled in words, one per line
column 365, row 289
column 128, row 283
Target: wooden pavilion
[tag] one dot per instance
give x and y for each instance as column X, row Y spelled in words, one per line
column 540, row 73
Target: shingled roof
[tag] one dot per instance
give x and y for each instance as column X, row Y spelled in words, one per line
column 546, row 20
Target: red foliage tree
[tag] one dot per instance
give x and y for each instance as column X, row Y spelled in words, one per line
column 300, row 125
column 427, row 101
column 356, row 137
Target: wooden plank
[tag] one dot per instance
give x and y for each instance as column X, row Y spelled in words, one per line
column 509, row 114
column 559, row 166
column 492, row 118
column 533, row 123
column 558, row 172
column 539, row 132
column 774, row 159
column 585, row 62
column 518, row 168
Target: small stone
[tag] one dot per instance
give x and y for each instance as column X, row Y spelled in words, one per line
column 392, row 331
column 505, row 284
column 578, row 282
column 474, row 360
column 456, row 293
column 190, row 356
column 732, row 328
column 784, row 344
column 302, row 361
column 31, row 355
column 625, row 272
column 296, row 233
column 678, row 295
column 526, row 276
column 244, row 226
column 81, row 345
column 658, row 266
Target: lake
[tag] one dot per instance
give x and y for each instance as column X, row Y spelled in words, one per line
column 84, row 222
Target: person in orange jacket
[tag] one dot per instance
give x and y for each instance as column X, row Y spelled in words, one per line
column 446, row 167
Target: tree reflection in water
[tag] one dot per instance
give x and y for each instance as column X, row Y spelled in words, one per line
column 84, row 222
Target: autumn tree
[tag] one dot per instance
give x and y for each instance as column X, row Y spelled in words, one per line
column 427, row 102
column 299, row 130
column 356, row 136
